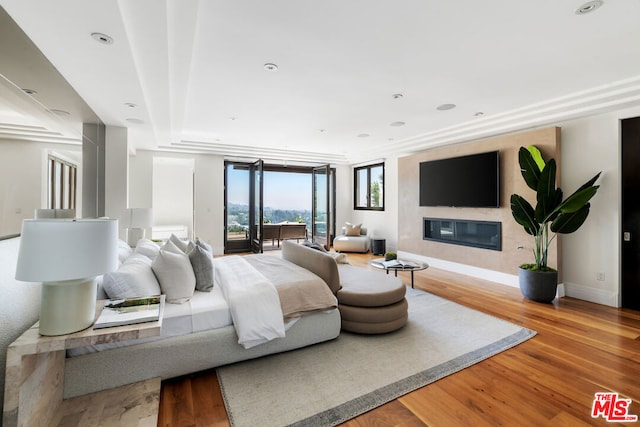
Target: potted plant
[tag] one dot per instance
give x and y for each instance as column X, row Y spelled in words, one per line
column 551, row 216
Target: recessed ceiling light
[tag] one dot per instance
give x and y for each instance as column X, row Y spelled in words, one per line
column 589, row 6
column 29, row 91
column 397, row 95
column 135, row 121
column 363, row 135
column 445, row 107
column 397, row 124
column 130, row 104
column 60, row 112
column 102, row 38
column 270, row 66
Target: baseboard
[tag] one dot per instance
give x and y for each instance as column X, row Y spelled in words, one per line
column 588, row 293
column 573, row 290
column 468, row 270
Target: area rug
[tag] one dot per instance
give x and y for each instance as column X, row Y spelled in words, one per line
column 330, row 383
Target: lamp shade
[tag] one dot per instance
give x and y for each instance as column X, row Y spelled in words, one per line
column 138, row 217
column 61, row 249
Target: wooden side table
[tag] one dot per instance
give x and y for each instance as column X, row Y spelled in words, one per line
column 35, row 374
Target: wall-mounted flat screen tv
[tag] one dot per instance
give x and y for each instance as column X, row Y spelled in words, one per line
column 471, row 181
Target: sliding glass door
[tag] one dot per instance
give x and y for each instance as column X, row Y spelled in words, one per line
column 237, row 208
column 256, row 193
column 245, row 213
column 321, row 208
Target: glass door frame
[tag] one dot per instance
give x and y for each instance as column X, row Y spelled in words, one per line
column 256, row 205
column 245, row 245
column 253, row 240
column 329, row 232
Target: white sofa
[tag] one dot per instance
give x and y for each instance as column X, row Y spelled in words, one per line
column 19, row 305
column 344, row 243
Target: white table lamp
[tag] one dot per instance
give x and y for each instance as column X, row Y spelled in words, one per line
column 67, row 255
column 136, row 221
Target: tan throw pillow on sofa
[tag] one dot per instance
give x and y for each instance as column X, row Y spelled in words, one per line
column 352, row 230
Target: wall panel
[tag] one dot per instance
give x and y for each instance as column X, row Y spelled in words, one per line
column 410, row 214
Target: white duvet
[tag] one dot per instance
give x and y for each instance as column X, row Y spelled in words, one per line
column 253, row 301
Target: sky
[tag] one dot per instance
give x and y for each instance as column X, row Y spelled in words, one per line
column 282, row 190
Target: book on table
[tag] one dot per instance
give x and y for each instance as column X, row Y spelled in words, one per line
column 398, row 263
column 129, row 311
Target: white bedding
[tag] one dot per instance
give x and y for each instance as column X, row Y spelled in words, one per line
column 253, row 301
column 205, row 310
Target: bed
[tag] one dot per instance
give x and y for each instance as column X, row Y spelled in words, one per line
column 202, row 333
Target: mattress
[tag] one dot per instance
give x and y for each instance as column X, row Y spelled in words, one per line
column 204, row 311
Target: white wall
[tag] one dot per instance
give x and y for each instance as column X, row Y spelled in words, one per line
column 116, row 174
column 381, row 224
column 344, row 196
column 590, row 145
column 209, row 201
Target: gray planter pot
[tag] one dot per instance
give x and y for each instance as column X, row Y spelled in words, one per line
column 540, row 286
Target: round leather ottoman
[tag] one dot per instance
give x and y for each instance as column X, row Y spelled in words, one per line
column 371, row 302
column 374, row 320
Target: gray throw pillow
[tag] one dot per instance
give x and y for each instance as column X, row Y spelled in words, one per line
column 204, row 245
column 202, row 263
column 314, row 245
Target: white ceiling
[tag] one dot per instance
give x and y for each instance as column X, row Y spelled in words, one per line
column 195, row 70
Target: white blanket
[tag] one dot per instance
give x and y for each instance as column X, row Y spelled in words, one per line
column 253, row 301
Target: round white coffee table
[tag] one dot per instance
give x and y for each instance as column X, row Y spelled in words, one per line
column 399, row 265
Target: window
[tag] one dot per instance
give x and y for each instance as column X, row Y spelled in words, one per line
column 369, row 187
column 62, row 184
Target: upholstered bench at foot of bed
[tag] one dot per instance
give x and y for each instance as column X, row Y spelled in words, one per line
column 370, row 302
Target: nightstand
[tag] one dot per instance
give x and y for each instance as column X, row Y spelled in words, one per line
column 35, row 373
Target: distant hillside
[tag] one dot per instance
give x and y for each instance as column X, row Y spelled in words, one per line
column 240, row 214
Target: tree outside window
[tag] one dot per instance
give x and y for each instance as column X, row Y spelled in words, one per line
column 369, row 187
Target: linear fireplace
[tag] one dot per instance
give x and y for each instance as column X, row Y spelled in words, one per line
column 479, row 234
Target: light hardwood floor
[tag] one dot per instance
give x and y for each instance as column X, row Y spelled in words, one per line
column 580, row 349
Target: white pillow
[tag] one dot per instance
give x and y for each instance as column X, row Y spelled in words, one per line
column 147, row 248
column 171, row 247
column 175, row 274
column 124, row 250
column 132, row 279
column 138, row 258
column 341, row 258
column 181, row 244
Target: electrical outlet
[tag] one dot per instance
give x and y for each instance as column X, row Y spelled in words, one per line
column 600, row 276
